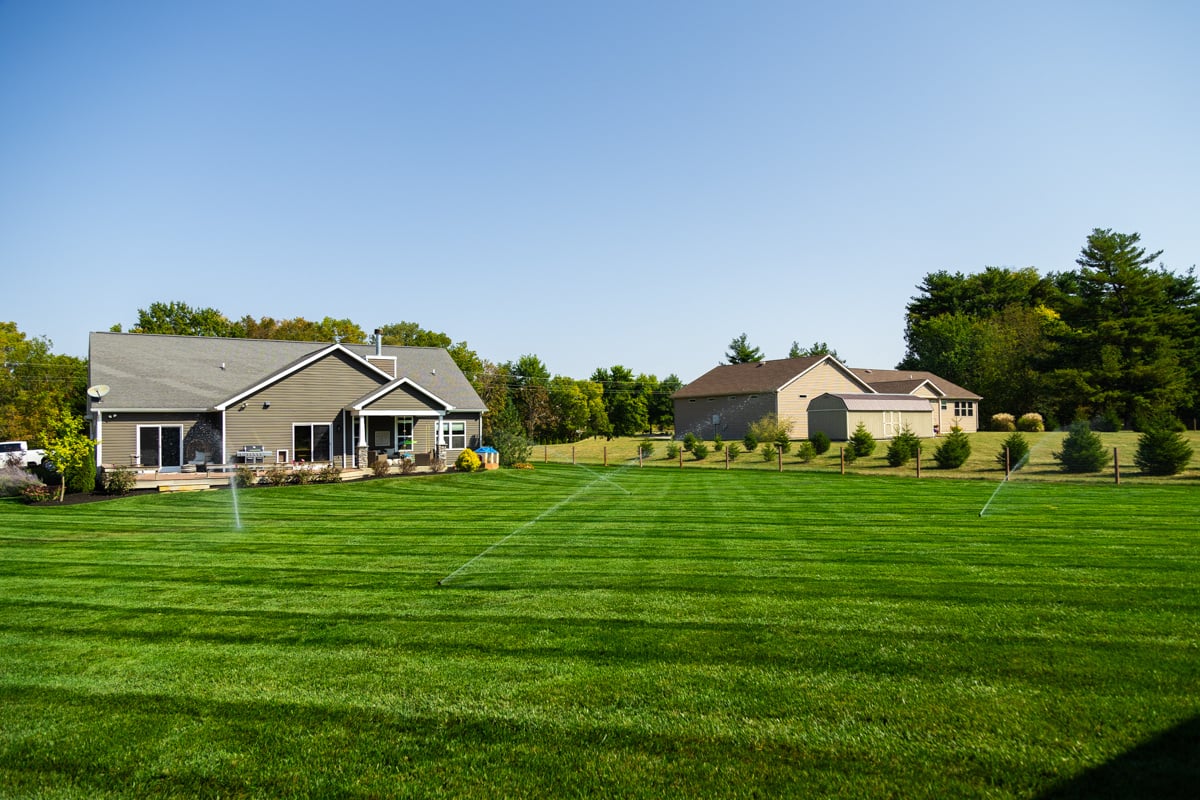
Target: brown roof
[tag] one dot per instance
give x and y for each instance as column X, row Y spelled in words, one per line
column 753, row 378
column 903, row 381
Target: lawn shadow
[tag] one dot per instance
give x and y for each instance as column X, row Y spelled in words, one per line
column 1167, row 766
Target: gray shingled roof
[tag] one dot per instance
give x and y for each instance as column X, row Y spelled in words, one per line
column 151, row 371
column 894, row 380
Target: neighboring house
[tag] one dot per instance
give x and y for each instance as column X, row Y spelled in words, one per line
column 728, row 398
column 179, row 400
column 882, row 415
column 952, row 404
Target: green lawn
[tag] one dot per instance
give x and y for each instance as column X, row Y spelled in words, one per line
column 985, row 446
column 605, row 632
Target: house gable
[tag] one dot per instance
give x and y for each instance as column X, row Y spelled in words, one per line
column 400, row 397
column 305, row 363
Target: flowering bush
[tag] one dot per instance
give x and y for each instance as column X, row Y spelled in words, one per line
column 467, row 461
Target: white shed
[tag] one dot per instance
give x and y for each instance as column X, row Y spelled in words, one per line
column 883, row 415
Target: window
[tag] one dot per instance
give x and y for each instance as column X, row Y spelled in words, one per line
column 404, row 433
column 160, row 445
column 964, row 408
column 454, row 435
column 310, row 441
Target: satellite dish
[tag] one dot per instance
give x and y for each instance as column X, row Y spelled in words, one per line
column 98, row 391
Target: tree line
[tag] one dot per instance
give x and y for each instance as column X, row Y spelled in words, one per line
column 1115, row 341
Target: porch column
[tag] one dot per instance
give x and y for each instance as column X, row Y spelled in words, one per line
column 360, row 452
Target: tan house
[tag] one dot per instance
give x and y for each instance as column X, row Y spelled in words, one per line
column 728, row 398
column 170, row 402
column 951, row 404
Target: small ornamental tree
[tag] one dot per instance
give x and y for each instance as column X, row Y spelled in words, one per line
column 1017, row 448
column 734, row 449
column 862, row 441
column 672, row 451
column 67, row 447
column 750, row 442
column 903, row 448
column 820, row 442
column 718, row 442
column 1162, row 451
column 783, row 442
column 646, row 448
column 689, row 442
column 849, row 453
column 514, row 446
column 767, row 451
column 805, row 451
column 1082, row 450
column 700, row 451
column 954, row 451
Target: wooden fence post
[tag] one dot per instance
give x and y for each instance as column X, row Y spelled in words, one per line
column 572, row 455
column 726, row 458
column 545, row 454
column 1007, row 463
column 918, row 461
column 779, row 453
column 1116, row 468
column 606, row 455
column 842, row 457
column 681, row 458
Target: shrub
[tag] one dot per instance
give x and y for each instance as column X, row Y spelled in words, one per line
column 820, row 443
column 438, row 464
column 805, row 451
column 954, row 451
column 276, row 475
column 718, row 442
column 303, row 476
column 1017, row 448
column 36, row 493
column 408, row 466
column 1003, row 423
column 770, row 428
column 14, row 479
column 243, row 476
column 750, row 441
column 689, row 442
column 734, row 449
column 646, row 448
column 1082, row 450
column 672, row 451
column 783, row 443
column 767, row 451
column 903, row 448
column 468, row 461
column 515, row 448
column 849, row 453
column 81, row 478
column 1162, row 451
column 1031, row 423
column 700, row 451
column 862, row 441
column 330, row 473
column 119, row 480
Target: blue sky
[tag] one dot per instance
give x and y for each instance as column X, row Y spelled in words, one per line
column 596, row 183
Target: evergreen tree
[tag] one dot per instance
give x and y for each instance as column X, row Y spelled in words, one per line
column 740, row 352
column 1013, row 451
column 862, row 442
column 1162, row 451
column 903, row 448
column 1082, row 450
column 954, row 451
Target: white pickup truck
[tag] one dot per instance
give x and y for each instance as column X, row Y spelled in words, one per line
column 18, row 453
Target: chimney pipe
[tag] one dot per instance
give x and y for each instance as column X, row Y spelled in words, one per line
column 378, row 341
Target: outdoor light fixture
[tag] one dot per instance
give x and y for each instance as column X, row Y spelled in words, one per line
column 242, row 407
column 266, row 404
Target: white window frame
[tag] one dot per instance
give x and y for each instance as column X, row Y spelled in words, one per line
column 412, row 429
column 313, row 439
column 449, row 435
